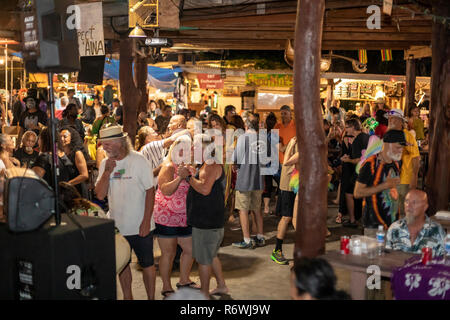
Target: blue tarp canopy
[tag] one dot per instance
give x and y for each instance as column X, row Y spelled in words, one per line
column 159, row 78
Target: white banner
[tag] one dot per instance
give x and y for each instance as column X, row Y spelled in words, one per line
column 91, row 41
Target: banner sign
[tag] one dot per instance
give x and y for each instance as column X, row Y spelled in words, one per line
column 210, row 81
column 30, row 34
column 269, row 80
column 91, row 41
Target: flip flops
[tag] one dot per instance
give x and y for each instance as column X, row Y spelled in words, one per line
column 167, row 293
column 192, row 285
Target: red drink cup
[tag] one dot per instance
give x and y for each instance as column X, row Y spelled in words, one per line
column 345, row 245
column 427, row 255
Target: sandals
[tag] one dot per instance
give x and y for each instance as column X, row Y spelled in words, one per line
column 192, row 285
column 167, row 293
column 339, row 218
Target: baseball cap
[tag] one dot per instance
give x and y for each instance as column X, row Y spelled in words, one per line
column 395, row 113
column 395, row 136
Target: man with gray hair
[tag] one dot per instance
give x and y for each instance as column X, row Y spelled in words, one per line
column 126, row 178
column 416, row 230
column 249, row 184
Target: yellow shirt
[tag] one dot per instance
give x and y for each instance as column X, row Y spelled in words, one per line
column 410, row 152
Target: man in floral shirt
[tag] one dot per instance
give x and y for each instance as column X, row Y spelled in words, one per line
column 416, row 230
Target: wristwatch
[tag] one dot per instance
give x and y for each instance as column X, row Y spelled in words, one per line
column 188, row 177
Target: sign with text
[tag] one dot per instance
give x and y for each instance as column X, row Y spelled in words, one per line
column 269, row 80
column 91, row 41
column 30, row 34
column 210, row 81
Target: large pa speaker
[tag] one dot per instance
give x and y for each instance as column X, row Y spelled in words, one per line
column 28, row 201
column 92, row 69
column 59, row 262
column 49, row 44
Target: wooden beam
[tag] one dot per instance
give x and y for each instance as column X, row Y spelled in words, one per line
column 418, row 52
column 312, row 194
column 410, row 83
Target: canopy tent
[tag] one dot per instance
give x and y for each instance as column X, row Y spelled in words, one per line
column 159, row 78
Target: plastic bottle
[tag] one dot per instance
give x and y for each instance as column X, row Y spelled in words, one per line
column 447, row 245
column 380, row 240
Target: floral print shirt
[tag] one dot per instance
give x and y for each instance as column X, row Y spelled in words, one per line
column 432, row 235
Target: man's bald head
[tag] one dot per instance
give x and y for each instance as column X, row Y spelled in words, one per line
column 177, row 122
column 416, row 204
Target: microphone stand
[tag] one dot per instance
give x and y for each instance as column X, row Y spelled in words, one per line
column 55, row 164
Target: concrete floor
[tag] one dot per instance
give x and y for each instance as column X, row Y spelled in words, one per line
column 251, row 274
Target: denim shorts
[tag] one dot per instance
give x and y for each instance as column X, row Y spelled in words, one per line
column 143, row 248
column 162, row 231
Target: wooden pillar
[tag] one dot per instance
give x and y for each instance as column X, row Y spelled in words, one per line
column 330, row 88
column 141, row 74
column 410, row 83
column 129, row 92
column 438, row 175
column 312, row 207
column 181, row 58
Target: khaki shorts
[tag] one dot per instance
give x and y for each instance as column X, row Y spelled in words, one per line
column 206, row 244
column 249, row 200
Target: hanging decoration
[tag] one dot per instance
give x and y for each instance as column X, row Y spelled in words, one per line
column 362, row 54
column 386, row 55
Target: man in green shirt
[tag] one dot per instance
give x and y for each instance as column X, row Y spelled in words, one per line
column 100, row 121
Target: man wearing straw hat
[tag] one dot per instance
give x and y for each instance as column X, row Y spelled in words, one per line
column 126, row 178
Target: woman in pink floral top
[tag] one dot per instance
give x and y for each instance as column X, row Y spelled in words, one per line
column 170, row 220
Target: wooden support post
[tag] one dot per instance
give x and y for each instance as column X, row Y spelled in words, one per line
column 141, row 74
column 410, row 83
column 129, row 92
column 181, row 58
column 312, row 207
column 438, row 175
column 330, row 88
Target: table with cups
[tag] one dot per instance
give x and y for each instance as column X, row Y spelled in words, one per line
column 363, row 261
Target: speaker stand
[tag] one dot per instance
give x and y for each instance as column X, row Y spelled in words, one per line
column 55, row 164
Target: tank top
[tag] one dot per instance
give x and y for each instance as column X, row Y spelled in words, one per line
column 170, row 210
column 207, row 212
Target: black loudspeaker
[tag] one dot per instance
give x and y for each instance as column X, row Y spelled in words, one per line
column 49, row 44
column 59, row 262
column 28, row 200
column 92, row 69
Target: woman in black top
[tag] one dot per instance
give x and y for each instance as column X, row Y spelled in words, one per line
column 25, row 154
column 70, row 115
column 43, row 164
column 74, row 149
column 205, row 210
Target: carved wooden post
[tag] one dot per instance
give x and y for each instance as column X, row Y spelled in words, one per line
column 410, row 83
column 438, row 176
column 312, row 208
column 129, row 93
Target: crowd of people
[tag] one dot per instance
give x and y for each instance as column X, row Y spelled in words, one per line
column 186, row 204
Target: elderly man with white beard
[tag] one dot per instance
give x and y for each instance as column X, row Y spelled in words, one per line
column 416, row 230
column 377, row 181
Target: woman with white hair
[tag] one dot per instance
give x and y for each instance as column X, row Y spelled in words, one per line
column 6, row 150
column 170, row 216
column 26, row 154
